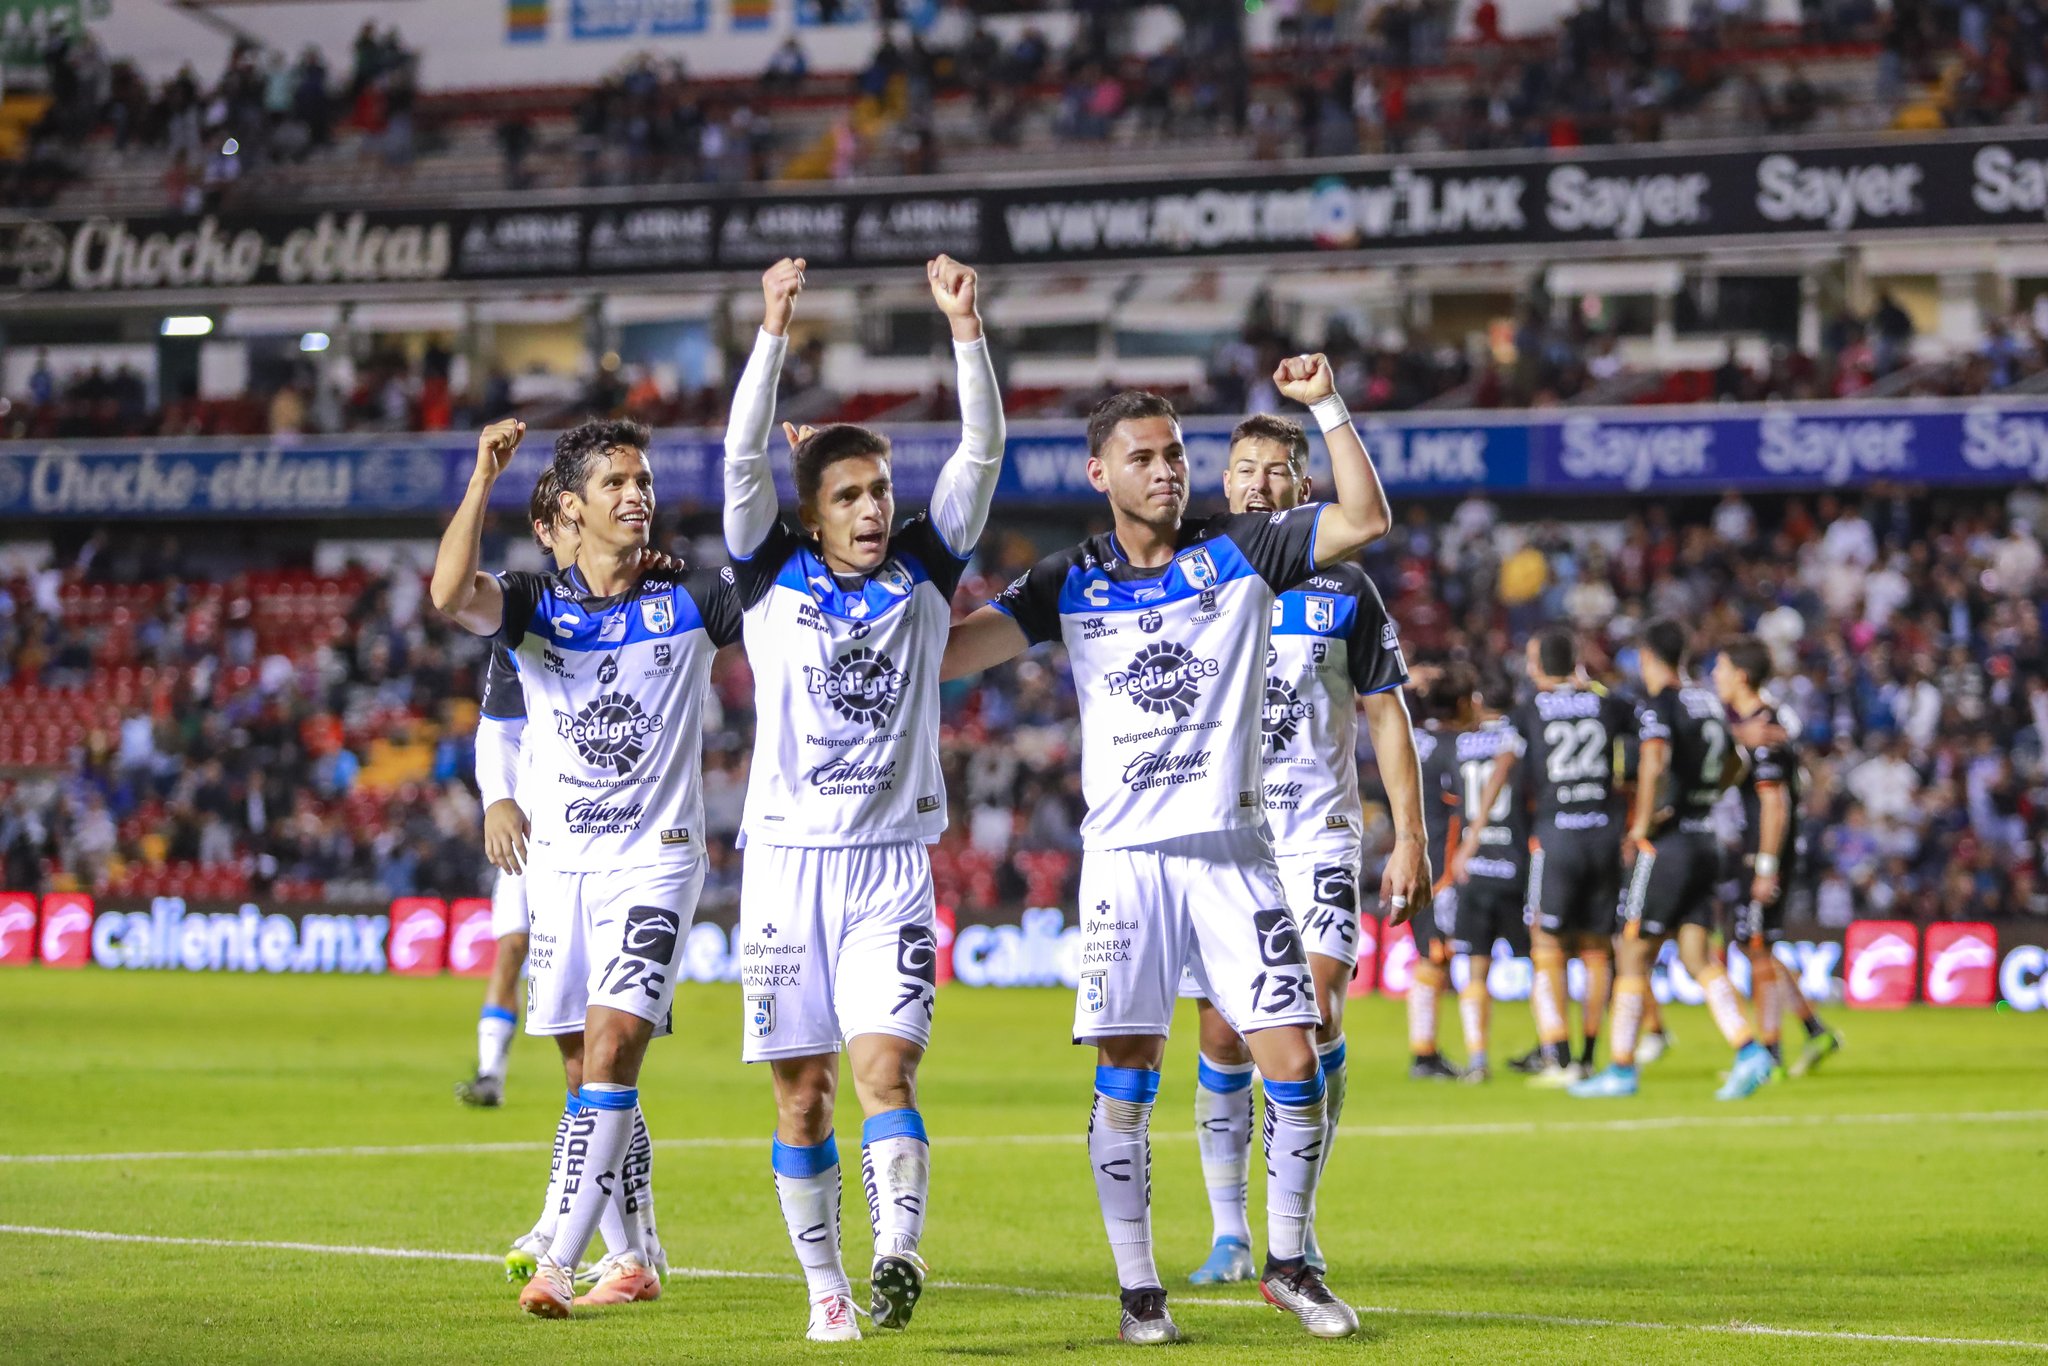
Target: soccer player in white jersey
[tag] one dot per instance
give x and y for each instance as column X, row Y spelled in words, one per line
column 1333, row 647
column 1166, row 623
column 614, row 659
column 846, row 615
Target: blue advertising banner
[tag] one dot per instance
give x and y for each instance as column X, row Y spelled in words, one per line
column 1608, row 451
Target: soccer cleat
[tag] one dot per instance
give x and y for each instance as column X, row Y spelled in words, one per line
column 1432, row 1068
column 621, row 1278
column 1558, row 1076
column 894, row 1287
column 550, row 1293
column 524, row 1258
column 832, row 1318
column 1296, row 1288
column 1530, row 1062
column 482, row 1092
column 1230, row 1261
column 1652, row 1047
column 1753, row 1067
column 1615, row 1081
column 1145, row 1322
column 1818, row 1048
column 1476, row 1074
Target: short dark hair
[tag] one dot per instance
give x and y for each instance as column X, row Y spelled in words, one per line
column 1283, row 430
column 1751, row 658
column 825, row 448
column 1665, row 638
column 1557, row 654
column 1125, row 407
column 1454, row 682
column 1496, row 690
column 544, row 508
column 578, row 450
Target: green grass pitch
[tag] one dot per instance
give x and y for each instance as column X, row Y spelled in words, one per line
column 1880, row 1211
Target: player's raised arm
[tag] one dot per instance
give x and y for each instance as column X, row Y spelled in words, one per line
column 967, row 482
column 750, row 504
column 984, row 640
column 1360, row 514
column 460, row 589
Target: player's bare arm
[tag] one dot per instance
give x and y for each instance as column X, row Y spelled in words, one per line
column 1360, row 514
column 1654, row 757
column 989, row 637
column 1404, row 886
column 1496, row 783
column 1773, row 812
column 460, row 589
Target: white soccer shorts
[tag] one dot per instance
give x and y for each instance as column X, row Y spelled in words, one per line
column 1210, row 904
column 1321, row 887
column 833, row 944
column 508, row 905
column 607, row 939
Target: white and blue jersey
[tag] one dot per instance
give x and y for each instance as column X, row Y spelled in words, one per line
column 846, row 686
column 614, row 690
column 1169, row 665
column 1332, row 643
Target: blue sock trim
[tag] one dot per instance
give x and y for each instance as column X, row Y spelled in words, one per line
column 604, row 1095
column 574, row 1105
column 1332, row 1055
column 815, row 1160
column 903, row 1123
column 1295, row 1092
column 1210, row 1077
column 1128, row 1083
column 498, row 1013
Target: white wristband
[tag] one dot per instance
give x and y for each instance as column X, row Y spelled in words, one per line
column 1330, row 413
column 1766, row 865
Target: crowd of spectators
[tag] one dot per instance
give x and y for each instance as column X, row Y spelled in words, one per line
column 335, row 761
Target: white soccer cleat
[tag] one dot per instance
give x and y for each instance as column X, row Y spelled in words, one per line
column 1652, row 1047
column 1555, row 1078
column 621, row 1278
column 551, row 1291
column 832, row 1318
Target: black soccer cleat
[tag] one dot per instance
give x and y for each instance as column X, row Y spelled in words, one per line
column 1432, row 1068
column 1145, row 1321
column 1296, row 1288
column 485, row 1093
column 894, row 1288
column 1529, row 1063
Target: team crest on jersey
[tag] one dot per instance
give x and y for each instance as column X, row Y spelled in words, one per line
column 862, row 685
column 1322, row 613
column 1094, row 992
column 760, row 1016
column 1198, row 569
column 612, row 731
column 1164, row 678
column 1150, row 622
column 1282, row 715
column 894, row 579
column 658, row 615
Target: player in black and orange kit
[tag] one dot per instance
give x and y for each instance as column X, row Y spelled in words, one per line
column 1564, row 743
column 1771, row 791
column 1447, row 702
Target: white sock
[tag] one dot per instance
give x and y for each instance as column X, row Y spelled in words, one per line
column 1295, row 1115
column 1331, row 1056
column 625, row 1223
column 551, row 1207
column 596, row 1150
column 494, row 1030
column 1121, row 1153
column 1223, row 1133
column 896, row 1159
column 640, row 1181
column 807, row 1184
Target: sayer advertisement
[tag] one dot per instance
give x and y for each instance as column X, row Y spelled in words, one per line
column 1875, row 965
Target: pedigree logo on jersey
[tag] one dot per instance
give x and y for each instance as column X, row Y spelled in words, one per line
column 1962, row 964
column 66, row 939
column 1281, row 718
column 611, row 731
column 471, row 950
column 1879, row 958
column 419, row 936
column 863, row 685
column 1164, row 678
column 17, row 929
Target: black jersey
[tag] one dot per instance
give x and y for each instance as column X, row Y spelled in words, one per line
column 1502, row 855
column 1442, row 801
column 1690, row 722
column 1773, row 763
column 1566, row 738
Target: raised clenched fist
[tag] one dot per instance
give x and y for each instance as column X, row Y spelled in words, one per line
column 780, row 284
column 1305, row 379
column 495, row 447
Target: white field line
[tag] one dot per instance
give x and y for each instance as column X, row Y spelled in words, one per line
column 1034, row 1292
column 1509, row 1128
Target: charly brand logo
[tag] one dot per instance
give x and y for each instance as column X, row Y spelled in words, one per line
column 1164, row 678
column 1281, row 717
column 863, row 685
column 612, row 731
